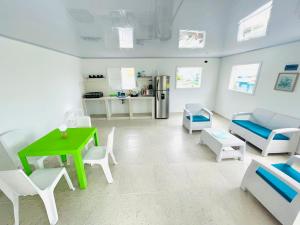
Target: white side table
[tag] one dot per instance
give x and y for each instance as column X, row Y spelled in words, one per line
column 223, row 144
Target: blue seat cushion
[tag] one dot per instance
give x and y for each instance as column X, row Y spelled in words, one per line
column 198, row 118
column 288, row 170
column 278, row 185
column 259, row 130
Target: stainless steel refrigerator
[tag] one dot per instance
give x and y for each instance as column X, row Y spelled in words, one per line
column 162, row 84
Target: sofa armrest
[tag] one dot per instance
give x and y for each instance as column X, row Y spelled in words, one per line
column 208, row 112
column 187, row 112
column 235, row 115
column 286, row 130
column 283, row 131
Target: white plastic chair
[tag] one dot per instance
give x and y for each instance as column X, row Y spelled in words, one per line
column 15, row 183
column 15, row 140
column 76, row 118
column 196, row 117
column 99, row 155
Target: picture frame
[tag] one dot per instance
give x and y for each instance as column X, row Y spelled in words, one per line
column 286, row 81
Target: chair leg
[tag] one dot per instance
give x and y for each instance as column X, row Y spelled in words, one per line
column 190, row 131
column 113, row 158
column 15, row 202
column 66, row 175
column 106, row 170
column 50, row 205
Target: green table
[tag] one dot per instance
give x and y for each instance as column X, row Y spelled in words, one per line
column 54, row 144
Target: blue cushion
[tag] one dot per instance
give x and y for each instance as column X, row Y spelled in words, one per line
column 259, row 130
column 198, row 118
column 288, row 170
column 282, row 188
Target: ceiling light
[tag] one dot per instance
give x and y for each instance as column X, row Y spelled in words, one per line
column 125, row 37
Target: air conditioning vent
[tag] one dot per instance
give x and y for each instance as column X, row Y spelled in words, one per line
column 92, row 39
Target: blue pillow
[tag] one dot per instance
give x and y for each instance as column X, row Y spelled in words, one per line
column 288, row 170
column 278, row 185
column 198, row 118
column 259, row 130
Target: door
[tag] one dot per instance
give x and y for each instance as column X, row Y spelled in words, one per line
column 161, row 83
column 162, row 104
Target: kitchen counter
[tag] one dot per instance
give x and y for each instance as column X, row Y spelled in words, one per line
column 127, row 106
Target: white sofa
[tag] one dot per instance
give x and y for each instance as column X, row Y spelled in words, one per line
column 277, row 187
column 196, row 117
column 269, row 131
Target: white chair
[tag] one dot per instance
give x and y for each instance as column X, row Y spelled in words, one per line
column 15, row 183
column 277, row 187
column 15, row 140
column 99, row 155
column 76, row 118
column 196, row 117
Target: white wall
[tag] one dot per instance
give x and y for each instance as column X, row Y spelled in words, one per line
column 167, row 66
column 36, row 87
column 273, row 61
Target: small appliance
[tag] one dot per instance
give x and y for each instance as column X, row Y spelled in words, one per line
column 97, row 94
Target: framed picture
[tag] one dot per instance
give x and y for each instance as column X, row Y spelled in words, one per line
column 286, row 82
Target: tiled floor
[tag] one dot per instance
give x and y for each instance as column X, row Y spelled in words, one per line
column 164, row 177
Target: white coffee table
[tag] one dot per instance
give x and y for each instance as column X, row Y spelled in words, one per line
column 223, row 144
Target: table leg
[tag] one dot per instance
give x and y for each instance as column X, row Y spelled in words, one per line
column 96, row 138
column 82, row 181
column 63, row 158
column 242, row 152
column 219, row 156
column 26, row 165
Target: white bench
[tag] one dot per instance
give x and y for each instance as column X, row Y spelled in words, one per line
column 223, row 144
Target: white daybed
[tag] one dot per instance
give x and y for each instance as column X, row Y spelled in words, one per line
column 269, row 131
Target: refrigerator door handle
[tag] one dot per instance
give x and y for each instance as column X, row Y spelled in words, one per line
column 157, row 83
column 157, row 96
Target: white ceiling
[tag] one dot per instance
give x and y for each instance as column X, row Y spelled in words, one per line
column 85, row 27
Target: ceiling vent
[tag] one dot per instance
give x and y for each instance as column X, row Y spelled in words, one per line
column 91, row 39
column 81, row 15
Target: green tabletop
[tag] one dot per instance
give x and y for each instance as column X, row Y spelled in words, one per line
column 54, row 144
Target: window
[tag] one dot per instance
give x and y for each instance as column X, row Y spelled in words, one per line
column 125, row 37
column 188, row 77
column 121, row 78
column 191, row 39
column 255, row 25
column 244, row 77
column 128, row 78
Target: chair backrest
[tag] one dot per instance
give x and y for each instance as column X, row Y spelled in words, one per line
column 84, row 121
column 262, row 116
column 14, row 141
column 110, row 141
column 17, row 182
column 195, row 109
column 75, row 118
